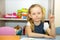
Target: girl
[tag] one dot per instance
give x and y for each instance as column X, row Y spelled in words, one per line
column 36, row 27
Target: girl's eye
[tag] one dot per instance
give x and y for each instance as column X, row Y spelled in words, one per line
column 33, row 13
column 38, row 12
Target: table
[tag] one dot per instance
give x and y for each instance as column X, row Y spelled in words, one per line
column 10, row 37
column 27, row 38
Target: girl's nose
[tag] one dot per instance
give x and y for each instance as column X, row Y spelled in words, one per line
column 36, row 15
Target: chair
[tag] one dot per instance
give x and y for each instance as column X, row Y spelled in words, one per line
column 8, row 33
column 57, row 30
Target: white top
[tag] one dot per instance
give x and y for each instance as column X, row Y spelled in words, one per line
column 46, row 25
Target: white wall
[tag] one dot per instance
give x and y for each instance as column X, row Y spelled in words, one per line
column 14, row 5
column 57, row 13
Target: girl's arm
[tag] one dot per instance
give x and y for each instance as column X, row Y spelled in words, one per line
column 32, row 34
column 51, row 31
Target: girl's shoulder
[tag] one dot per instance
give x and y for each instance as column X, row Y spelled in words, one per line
column 28, row 23
column 46, row 26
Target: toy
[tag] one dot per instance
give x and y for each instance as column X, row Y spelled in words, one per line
column 19, row 14
column 18, row 30
column 24, row 12
column 12, row 15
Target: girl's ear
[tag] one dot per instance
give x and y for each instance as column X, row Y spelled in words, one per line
column 29, row 15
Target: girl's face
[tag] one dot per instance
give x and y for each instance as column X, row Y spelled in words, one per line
column 36, row 14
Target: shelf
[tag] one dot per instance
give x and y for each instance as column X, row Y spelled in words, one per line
column 13, row 19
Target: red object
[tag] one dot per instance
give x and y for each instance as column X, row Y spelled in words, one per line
column 19, row 16
column 10, row 15
column 14, row 14
column 24, row 30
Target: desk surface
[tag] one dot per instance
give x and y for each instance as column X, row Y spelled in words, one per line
column 27, row 38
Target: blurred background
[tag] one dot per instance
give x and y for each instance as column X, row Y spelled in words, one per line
column 12, row 7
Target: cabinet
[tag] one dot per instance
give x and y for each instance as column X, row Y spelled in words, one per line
column 2, row 11
column 9, row 6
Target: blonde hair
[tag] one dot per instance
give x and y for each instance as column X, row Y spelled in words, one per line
column 30, row 19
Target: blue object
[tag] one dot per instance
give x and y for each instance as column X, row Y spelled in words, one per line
column 39, row 28
column 19, row 32
column 57, row 30
column 24, row 17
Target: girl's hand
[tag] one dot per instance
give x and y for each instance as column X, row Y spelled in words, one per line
column 46, row 36
column 51, row 18
column 50, row 37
